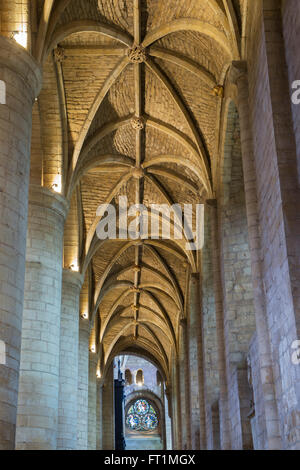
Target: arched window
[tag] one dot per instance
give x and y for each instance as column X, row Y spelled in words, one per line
column 139, row 378
column 128, row 377
column 141, row 416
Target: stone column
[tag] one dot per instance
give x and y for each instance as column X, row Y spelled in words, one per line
column 244, row 398
column 39, row 369
column 215, row 422
column 108, row 412
column 169, row 401
column 177, row 397
column 238, row 75
column 282, row 275
column 20, row 81
column 99, row 427
column 168, row 425
column 291, row 22
column 219, row 306
column 83, row 385
column 68, row 372
column 197, row 403
column 92, row 421
column 185, row 387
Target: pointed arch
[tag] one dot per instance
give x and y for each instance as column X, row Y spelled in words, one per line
column 188, row 24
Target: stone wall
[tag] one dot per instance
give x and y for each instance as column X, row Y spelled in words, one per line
column 291, row 30
column 276, row 175
column 209, row 329
column 22, row 78
column 258, row 422
column 239, row 321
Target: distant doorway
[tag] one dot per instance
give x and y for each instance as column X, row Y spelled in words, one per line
column 146, row 422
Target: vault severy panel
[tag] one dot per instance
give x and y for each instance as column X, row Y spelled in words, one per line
column 158, row 12
column 117, row 12
column 118, row 103
column 196, row 47
column 198, row 98
column 82, row 82
column 119, row 142
column 160, row 105
column 95, row 191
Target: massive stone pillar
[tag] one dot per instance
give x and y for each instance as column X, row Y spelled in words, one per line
column 68, row 371
column 219, row 306
column 291, row 22
column 92, row 420
column 184, row 386
column 39, row 369
column 196, row 364
column 278, row 198
column 238, row 75
column 284, row 310
column 20, row 81
column 83, row 385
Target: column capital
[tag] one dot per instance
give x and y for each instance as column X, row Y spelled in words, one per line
column 237, row 71
column 168, row 390
column 212, row 203
column 59, row 54
column 75, row 279
column 195, row 276
column 44, row 197
column 17, row 59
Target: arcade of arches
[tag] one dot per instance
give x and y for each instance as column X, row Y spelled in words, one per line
column 164, row 102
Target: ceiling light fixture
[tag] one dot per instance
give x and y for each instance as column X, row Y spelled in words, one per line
column 56, row 186
column 21, row 38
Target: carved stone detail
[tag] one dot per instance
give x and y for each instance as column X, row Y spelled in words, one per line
column 218, row 91
column 136, row 269
column 135, row 290
column 138, row 123
column 137, row 54
column 138, row 173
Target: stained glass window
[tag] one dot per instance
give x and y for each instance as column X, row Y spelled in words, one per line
column 141, row 416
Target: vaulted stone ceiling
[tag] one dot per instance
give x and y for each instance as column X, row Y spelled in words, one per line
column 127, row 108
